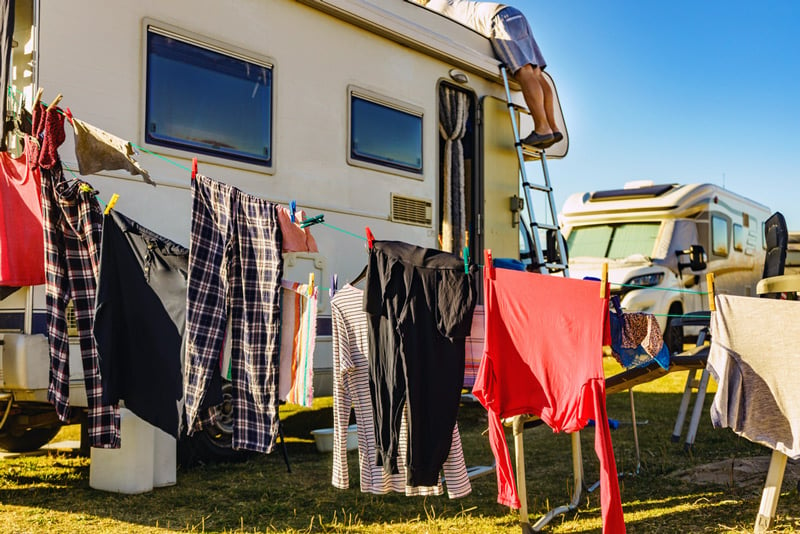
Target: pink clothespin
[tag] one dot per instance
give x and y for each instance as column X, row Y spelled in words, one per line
column 488, row 264
column 194, row 168
column 68, row 114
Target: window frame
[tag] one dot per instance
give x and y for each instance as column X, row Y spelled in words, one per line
column 391, row 103
column 227, row 49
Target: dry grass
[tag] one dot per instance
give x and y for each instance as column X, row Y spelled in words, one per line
column 50, row 492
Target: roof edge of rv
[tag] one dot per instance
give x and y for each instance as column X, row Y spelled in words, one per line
column 638, row 192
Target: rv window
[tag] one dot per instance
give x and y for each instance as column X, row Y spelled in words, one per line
column 738, row 237
column 720, row 237
column 203, row 100
column 613, row 241
column 385, row 135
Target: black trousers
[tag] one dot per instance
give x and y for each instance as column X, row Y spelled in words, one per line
column 140, row 318
column 419, row 303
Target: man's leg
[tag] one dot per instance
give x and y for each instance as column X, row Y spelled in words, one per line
column 535, row 91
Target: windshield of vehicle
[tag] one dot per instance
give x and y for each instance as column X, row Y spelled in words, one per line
column 613, row 241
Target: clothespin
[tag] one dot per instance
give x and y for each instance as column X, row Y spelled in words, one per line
column 334, row 285
column 466, row 252
column 86, row 188
column 310, row 285
column 55, row 102
column 292, row 209
column 441, row 246
column 604, row 281
column 111, row 203
column 313, row 220
column 68, row 114
column 37, row 98
column 194, row 168
column 488, row 263
column 370, row 238
column 710, row 282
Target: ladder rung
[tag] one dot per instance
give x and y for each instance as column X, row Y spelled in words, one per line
column 538, row 187
column 544, row 226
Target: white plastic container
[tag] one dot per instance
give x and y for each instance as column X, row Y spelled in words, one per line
column 165, row 459
column 323, row 438
column 128, row 469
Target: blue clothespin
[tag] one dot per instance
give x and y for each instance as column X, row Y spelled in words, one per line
column 334, row 285
column 292, row 209
column 313, row 220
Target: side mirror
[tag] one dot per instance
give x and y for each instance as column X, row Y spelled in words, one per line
column 697, row 258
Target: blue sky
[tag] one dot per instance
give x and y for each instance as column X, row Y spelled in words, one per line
column 680, row 91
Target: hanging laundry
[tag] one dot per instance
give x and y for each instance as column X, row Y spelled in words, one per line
column 636, row 338
column 419, row 302
column 72, row 228
column 298, row 337
column 235, row 268
column 473, row 349
column 48, row 128
column 97, row 150
column 21, row 230
column 7, row 17
column 543, row 356
column 139, row 320
column 295, row 239
column 753, row 358
column 351, row 389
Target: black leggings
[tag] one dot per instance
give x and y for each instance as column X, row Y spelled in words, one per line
column 419, row 303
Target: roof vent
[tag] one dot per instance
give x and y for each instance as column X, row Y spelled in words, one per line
column 408, row 210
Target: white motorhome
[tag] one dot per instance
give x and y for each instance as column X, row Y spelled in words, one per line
column 660, row 241
column 334, row 104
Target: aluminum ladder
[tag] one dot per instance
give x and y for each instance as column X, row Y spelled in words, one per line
column 552, row 261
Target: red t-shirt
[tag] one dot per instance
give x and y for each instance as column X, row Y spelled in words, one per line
column 543, row 356
column 21, row 231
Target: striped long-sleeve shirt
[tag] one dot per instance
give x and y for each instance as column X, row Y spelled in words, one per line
column 351, row 389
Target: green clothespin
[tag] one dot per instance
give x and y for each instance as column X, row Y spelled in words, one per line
column 313, row 220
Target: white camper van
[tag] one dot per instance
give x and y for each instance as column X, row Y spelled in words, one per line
column 660, row 241
column 335, row 104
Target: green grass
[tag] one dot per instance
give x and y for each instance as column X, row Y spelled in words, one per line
column 51, row 493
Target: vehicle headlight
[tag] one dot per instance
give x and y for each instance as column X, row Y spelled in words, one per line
column 646, row 280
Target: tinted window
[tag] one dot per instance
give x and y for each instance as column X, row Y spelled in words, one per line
column 719, row 236
column 205, row 101
column 738, row 237
column 385, row 135
column 613, row 241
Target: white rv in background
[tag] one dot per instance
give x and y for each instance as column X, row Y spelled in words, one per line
column 336, row 104
column 660, row 241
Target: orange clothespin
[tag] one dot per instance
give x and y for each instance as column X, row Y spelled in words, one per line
column 111, row 203
column 310, row 285
column 370, row 237
column 604, row 281
column 194, row 168
column 488, row 263
column 710, row 282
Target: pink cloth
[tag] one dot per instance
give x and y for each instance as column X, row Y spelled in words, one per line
column 21, row 230
column 543, row 356
column 295, row 239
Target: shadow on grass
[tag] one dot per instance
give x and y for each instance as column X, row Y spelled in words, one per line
column 259, row 495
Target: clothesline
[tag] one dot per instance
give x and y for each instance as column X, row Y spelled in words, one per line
column 13, row 90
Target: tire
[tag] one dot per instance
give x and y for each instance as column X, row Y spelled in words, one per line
column 673, row 333
column 214, row 443
column 21, row 439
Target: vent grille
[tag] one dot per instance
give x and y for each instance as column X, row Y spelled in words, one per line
column 408, row 210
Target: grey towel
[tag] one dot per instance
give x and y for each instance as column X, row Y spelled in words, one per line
column 98, row 150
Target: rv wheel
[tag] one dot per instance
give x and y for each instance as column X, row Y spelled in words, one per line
column 214, row 443
column 17, row 438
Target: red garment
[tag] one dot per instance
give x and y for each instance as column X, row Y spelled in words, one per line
column 21, row 231
column 543, row 356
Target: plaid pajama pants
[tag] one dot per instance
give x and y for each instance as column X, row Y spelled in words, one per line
column 235, row 267
column 73, row 223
